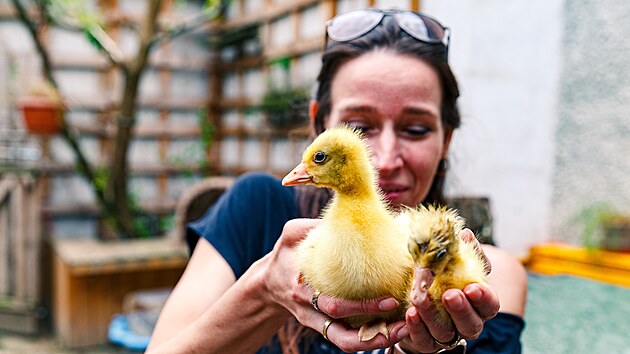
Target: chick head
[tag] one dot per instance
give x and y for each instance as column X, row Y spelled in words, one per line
column 338, row 158
column 433, row 236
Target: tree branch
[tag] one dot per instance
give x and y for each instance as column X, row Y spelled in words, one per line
column 39, row 46
column 107, row 45
column 207, row 14
column 66, row 132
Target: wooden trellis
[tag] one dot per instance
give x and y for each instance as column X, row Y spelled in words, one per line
column 166, row 155
column 270, row 44
column 20, row 252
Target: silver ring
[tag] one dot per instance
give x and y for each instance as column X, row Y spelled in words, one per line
column 314, row 300
column 450, row 344
column 325, row 330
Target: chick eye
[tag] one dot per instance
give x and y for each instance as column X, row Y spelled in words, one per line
column 319, row 157
column 440, row 255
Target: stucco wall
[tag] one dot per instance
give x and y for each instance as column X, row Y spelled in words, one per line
column 593, row 135
column 506, row 56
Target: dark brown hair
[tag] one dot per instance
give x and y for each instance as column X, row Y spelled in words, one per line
column 387, row 35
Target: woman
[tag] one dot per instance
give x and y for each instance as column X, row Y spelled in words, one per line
column 387, row 74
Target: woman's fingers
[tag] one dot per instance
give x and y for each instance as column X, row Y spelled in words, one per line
column 295, row 230
column 420, row 338
column 337, row 308
column 468, row 236
column 347, row 338
column 466, row 320
column 483, row 300
column 427, row 312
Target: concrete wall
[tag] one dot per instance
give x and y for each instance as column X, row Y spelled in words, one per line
column 592, row 139
column 507, row 56
column 545, row 91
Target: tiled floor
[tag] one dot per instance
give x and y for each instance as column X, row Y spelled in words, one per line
column 564, row 315
column 16, row 344
column 568, row 314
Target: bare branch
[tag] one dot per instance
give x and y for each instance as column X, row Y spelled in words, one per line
column 66, row 19
column 107, row 45
column 206, row 15
column 66, row 132
column 33, row 29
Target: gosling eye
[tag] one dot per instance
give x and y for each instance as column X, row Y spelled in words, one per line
column 441, row 253
column 319, row 157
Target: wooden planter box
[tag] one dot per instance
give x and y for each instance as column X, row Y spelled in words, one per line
column 92, row 277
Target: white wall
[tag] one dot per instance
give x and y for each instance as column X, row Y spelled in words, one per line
column 592, row 164
column 506, row 55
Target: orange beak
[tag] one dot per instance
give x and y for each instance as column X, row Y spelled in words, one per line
column 297, row 176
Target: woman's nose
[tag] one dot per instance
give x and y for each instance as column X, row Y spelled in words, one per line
column 387, row 153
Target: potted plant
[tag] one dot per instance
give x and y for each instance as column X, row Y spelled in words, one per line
column 616, row 233
column 285, row 108
column 605, row 228
column 42, row 109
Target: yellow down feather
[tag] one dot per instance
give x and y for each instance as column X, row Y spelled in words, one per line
column 361, row 248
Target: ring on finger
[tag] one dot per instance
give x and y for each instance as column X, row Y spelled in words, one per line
column 314, row 300
column 450, row 344
column 325, row 329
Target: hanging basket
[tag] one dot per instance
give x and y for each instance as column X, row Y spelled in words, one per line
column 41, row 116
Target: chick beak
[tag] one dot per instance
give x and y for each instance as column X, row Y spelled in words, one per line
column 297, row 176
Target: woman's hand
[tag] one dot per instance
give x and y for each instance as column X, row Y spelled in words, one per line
column 469, row 309
column 286, row 290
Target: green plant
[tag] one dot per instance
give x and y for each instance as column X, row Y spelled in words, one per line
column 109, row 184
column 602, row 225
column 285, row 108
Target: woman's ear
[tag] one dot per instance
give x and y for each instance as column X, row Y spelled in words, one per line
column 448, row 134
column 313, row 107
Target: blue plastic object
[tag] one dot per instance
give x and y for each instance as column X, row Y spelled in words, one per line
column 121, row 334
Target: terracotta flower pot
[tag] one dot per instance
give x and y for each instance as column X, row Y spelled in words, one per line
column 42, row 116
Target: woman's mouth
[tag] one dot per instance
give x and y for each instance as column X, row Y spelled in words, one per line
column 392, row 192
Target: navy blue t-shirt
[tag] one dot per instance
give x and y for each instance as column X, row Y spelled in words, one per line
column 245, row 223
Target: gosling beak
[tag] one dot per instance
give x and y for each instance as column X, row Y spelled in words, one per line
column 297, row 176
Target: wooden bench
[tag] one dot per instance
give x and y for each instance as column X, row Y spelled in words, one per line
column 92, row 277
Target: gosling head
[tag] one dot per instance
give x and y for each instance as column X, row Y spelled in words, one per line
column 338, row 158
column 433, row 240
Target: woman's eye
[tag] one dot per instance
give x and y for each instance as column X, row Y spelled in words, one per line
column 416, row 131
column 360, row 126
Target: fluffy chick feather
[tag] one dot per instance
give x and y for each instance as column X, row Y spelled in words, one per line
column 358, row 251
column 361, row 250
column 434, row 244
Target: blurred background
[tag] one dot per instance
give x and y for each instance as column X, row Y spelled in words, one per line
column 221, row 90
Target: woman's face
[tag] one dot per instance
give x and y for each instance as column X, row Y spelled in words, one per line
column 395, row 99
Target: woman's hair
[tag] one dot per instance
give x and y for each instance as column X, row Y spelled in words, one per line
column 387, row 35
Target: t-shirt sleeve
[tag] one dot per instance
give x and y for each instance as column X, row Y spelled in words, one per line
column 246, row 221
column 501, row 334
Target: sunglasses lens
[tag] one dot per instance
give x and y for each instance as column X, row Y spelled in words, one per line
column 420, row 27
column 353, row 24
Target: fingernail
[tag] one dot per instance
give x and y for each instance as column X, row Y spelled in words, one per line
column 414, row 316
column 454, row 301
column 404, row 332
column 388, row 304
column 473, row 293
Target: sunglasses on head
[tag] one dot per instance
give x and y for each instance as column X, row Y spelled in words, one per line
column 354, row 24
